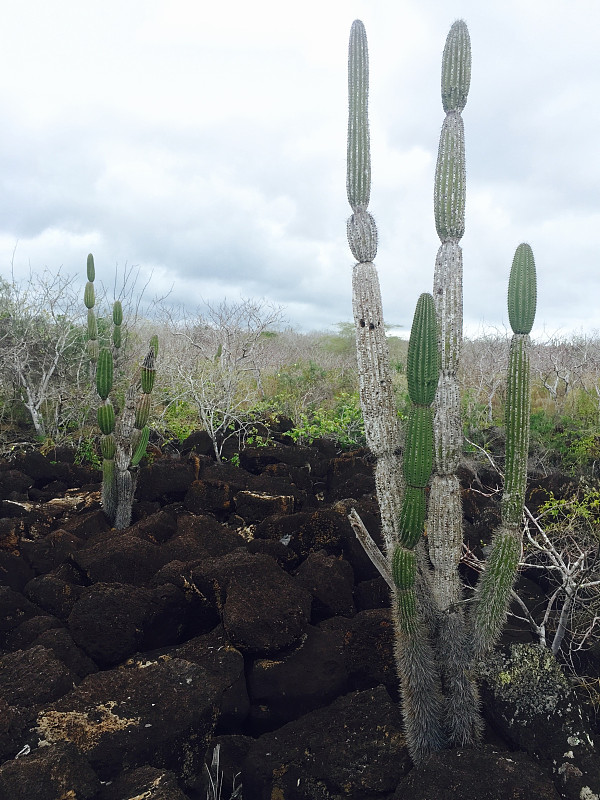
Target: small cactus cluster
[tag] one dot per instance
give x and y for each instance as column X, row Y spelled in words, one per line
column 124, row 441
column 437, row 645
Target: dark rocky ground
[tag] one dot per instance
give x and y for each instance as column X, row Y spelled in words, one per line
column 239, row 610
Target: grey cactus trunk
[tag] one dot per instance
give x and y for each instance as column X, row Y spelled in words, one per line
column 376, row 393
column 414, row 652
column 436, row 647
column 444, row 526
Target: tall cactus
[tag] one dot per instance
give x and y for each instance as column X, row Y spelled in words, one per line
column 124, row 441
column 445, row 507
column 422, row 703
column 493, row 591
column 436, row 647
column 376, row 393
column 445, row 517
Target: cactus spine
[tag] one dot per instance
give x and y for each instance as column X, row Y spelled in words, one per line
column 124, row 441
column 493, row 590
column 376, row 393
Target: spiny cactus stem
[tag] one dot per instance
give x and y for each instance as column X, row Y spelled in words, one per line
column 358, row 181
column 517, row 430
column 456, row 67
column 422, row 702
column 493, row 590
column 376, row 391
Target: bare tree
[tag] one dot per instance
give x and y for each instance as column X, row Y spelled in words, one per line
column 41, row 351
column 219, row 368
column 483, row 373
column 560, row 364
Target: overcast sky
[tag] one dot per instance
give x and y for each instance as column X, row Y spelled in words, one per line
column 206, row 143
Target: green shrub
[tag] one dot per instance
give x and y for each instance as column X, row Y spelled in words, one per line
column 87, row 453
column 179, row 420
column 567, row 442
column 343, row 423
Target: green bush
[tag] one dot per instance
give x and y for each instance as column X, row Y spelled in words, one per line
column 567, row 442
column 178, row 420
column 87, row 453
column 343, row 423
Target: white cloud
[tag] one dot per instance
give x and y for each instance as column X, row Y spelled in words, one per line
column 206, row 143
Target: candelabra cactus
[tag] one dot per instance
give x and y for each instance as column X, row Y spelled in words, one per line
column 436, row 648
column 124, row 441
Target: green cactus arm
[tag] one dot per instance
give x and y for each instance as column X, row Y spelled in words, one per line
column 456, row 67
column 89, row 297
column 522, row 290
column 142, row 410
column 92, row 325
column 404, row 567
column 493, row 591
column 422, row 364
column 140, row 450
column 117, row 313
column 517, row 430
column 148, row 372
column 412, row 516
column 492, row 594
column 106, row 418
column 104, row 373
column 108, row 446
column 91, row 270
column 450, row 180
column 418, row 447
column 358, row 182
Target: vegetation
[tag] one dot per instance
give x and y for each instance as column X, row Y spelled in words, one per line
column 234, row 372
column 310, row 378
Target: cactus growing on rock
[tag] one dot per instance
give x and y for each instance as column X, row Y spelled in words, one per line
column 124, row 441
column 436, row 648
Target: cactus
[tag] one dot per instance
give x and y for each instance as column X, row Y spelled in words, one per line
column 445, row 508
column 117, row 322
column 376, row 393
column 124, row 441
column 421, row 687
column 493, row 591
column 436, row 647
